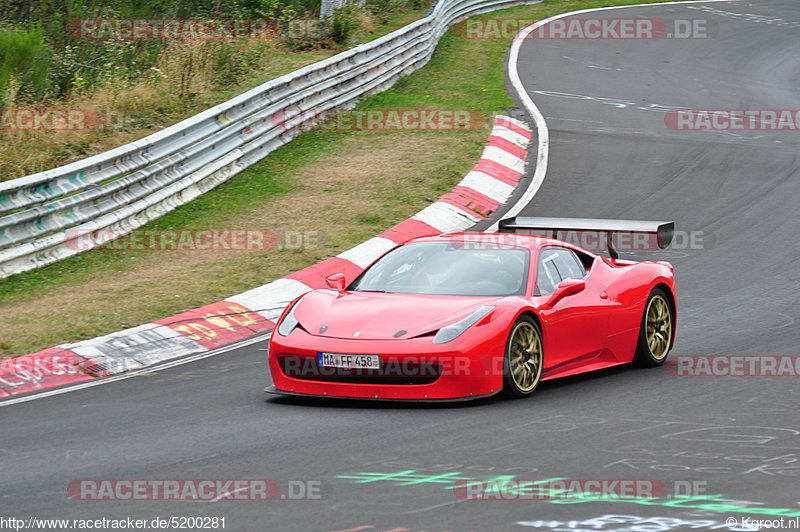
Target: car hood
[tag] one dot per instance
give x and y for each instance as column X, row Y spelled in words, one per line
column 381, row 316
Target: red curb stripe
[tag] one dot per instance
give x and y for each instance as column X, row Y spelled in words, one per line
column 502, row 122
column 498, row 171
column 407, row 230
column 45, row 369
column 471, row 201
column 314, row 276
column 217, row 324
column 506, row 145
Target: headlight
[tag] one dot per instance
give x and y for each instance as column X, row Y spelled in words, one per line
column 451, row 332
column 289, row 322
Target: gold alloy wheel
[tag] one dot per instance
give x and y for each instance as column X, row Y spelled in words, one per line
column 659, row 327
column 525, row 356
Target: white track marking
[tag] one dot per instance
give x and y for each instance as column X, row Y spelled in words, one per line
column 542, row 133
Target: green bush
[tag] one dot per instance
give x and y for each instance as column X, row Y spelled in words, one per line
column 64, row 63
column 23, row 56
column 343, row 23
column 383, row 10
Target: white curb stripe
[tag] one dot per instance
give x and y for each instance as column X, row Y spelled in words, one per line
column 445, row 217
column 488, row 186
column 270, row 300
column 135, row 348
column 501, row 156
column 519, row 123
column 511, row 136
column 365, row 254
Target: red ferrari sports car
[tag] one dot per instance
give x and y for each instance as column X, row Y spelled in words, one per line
column 467, row 315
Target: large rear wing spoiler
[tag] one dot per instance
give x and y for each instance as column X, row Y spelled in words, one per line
column 663, row 231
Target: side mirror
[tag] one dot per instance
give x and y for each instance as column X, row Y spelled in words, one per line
column 336, row 281
column 566, row 288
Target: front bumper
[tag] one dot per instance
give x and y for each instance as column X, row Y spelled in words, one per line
column 413, row 369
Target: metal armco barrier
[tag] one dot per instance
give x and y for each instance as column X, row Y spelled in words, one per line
column 43, row 215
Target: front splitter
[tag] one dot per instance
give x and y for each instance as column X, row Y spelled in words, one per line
column 273, row 390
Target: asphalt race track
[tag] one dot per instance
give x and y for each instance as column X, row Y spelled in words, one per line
column 731, row 444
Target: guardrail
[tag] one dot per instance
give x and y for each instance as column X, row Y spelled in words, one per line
column 49, row 216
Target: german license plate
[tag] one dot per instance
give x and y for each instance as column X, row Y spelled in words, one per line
column 342, row 360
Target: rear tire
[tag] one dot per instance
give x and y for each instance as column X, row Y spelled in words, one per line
column 655, row 331
column 523, row 358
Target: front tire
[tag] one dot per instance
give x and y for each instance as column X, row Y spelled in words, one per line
column 523, row 358
column 655, row 331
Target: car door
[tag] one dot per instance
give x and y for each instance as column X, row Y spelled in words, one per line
column 576, row 326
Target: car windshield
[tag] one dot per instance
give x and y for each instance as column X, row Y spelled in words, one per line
column 448, row 268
